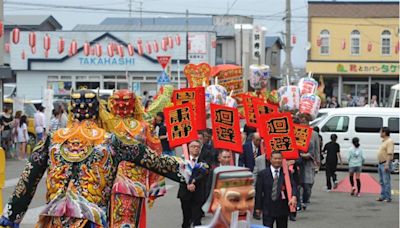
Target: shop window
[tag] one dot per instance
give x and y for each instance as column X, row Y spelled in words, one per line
column 336, row 124
column 109, row 85
column 66, row 77
column 122, row 85
column 60, row 88
column 219, row 51
column 355, row 42
column 324, row 42
column 386, row 40
column 368, row 124
column 52, row 77
column 109, row 76
column 393, row 124
column 87, row 85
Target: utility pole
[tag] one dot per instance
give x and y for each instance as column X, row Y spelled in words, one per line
column 130, row 8
column 287, row 69
column 141, row 13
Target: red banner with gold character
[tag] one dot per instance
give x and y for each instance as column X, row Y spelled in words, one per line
column 195, row 96
column 250, row 109
column 303, row 136
column 226, row 128
column 180, row 124
column 278, row 134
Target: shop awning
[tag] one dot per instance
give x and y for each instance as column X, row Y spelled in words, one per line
column 216, row 70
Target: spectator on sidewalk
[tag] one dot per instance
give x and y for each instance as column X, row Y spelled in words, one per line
column 8, row 121
column 332, row 149
column 162, row 135
column 333, row 103
column 355, row 160
column 351, row 102
column 55, row 121
column 23, row 137
column 385, row 157
column 40, row 123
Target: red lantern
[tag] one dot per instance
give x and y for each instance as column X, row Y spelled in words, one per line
column 33, row 50
column 213, row 43
column 164, row 44
column 1, row 29
column 396, row 48
column 319, row 42
column 32, row 39
column 99, row 50
column 294, row 39
column 343, row 44
column 46, row 53
column 23, row 55
column 110, row 50
column 131, row 50
column 189, row 45
column 178, row 40
column 170, row 42
column 74, row 47
column 120, row 50
column 155, row 46
column 369, row 46
column 148, row 47
column 92, row 50
column 86, row 49
column 46, row 42
column 15, row 35
column 61, row 45
column 7, row 47
column 140, row 47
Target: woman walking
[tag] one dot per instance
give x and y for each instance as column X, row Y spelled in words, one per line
column 22, row 137
column 17, row 119
column 356, row 160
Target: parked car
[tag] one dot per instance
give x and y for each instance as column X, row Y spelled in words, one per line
column 364, row 123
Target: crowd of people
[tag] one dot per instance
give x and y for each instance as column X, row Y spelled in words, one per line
column 351, row 101
column 14, row 129
column 272, row 206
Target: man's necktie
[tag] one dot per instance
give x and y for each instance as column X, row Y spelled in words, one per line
column 255, row 153
column 274, row 193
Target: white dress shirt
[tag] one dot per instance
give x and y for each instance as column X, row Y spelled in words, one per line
column 273, row 171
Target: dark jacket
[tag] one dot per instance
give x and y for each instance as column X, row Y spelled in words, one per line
column 209, row 155
column 263, row 200
column 198, row 196
column 246, row 159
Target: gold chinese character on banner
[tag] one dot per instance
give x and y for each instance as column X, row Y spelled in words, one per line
column 278, row 126
column 224, row 117
column 225, row 134
column 282, row 144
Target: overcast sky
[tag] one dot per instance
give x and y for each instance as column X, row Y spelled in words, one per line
column 274, row 25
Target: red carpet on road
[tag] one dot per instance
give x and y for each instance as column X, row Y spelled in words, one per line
column 368, row 184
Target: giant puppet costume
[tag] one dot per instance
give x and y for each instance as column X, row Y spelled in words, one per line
column 231, row 199
column 81, row 163
column 132, row 183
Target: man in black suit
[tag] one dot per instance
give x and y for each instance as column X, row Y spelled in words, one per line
column 251, row 150
column 271, row 195
column 208, row 153
column 192, row 195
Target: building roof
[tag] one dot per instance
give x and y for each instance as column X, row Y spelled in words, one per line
column 30, row 21
column 271, row 40
column 158, row 21
column 221, row 31
column 349, row 9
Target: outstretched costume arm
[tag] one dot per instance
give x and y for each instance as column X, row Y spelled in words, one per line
column 26, row 187
column 171, row 167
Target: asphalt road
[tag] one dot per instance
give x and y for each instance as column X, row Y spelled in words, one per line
column 327, row 210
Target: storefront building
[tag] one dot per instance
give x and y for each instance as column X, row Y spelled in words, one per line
column 63, row 72
column 354, row 46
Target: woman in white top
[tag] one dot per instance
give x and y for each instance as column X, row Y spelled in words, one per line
column 22, row 137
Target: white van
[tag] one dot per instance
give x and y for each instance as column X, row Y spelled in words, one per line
column 394, row 97
column 364, row 123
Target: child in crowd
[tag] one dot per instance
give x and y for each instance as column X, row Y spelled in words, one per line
column 333, row 156
column 356, row 160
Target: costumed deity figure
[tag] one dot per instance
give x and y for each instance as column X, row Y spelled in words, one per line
column 132, row 184
column 232, row 198
column 81, row 163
